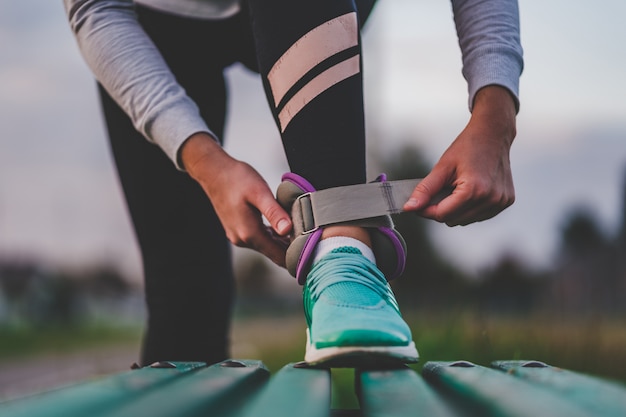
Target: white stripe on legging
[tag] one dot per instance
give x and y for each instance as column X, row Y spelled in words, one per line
column 320, row 43
column 316, row 86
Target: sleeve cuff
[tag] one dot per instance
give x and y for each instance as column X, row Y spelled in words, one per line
column 494, row 68
column 173, row 127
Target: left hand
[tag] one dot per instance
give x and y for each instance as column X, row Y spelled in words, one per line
column 240, row 197
column 475, row 167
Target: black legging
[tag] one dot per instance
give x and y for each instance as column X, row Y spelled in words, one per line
column 186, row 256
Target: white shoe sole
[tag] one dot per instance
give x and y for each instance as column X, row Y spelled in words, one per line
column 355, row 356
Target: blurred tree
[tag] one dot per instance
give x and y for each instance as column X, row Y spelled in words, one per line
column 40, row 296
column 620, row 244
column 621, row 235
column 253, row 277
column 36, row 295
column 586, row 278
column 510, row 287
column 16, row 282
column 264, row 288
column 15, row 278
column 104, row 280
column 59, row 301
column 581, row 234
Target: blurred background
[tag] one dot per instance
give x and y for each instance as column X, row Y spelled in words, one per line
column 545, row 280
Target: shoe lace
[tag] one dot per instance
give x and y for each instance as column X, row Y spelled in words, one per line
column 341, row 267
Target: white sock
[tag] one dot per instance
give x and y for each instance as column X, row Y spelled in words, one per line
column 325, row 246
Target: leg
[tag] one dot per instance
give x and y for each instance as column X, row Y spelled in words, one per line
column 309, row 56
column 186, row 257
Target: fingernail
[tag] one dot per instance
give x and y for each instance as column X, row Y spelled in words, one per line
column 282, row 226
column 412, row 203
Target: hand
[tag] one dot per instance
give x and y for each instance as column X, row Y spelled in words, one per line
column 475, row 167
column 240, row 197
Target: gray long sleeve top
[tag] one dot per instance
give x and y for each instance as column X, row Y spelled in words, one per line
column 126, row 62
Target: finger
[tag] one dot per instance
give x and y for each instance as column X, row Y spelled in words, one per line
column 455, row 206
column 273, row 248
column 447, row 209
column 426, row 191
column 273, row 212
column 283, row 241
column 481, row 212
column 250, row 232
column 461, row 210
column 471, row 215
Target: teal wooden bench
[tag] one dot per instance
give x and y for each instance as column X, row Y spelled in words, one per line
column 244, row 388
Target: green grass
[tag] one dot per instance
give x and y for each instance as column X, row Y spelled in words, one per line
column 29, row 341
column 594, row 345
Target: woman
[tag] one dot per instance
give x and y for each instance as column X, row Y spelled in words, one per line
column 160, row 67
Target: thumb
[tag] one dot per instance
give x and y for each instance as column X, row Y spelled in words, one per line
column 274, row 213
column 426, row 191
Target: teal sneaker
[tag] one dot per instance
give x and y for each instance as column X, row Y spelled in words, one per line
column 352, row 315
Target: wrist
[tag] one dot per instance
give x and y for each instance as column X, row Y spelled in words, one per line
column 197, row 150
column 495, row 111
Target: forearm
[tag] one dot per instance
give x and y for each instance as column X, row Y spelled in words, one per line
column 129, row 66
column 489, row 37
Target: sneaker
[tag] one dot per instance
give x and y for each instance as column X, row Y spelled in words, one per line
column 352, row 315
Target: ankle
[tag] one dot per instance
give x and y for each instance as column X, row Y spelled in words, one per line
column 355, row 232
column 342, row 244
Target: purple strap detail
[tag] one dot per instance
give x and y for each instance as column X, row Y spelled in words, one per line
column 308, row 249
column 299, row 181
column 400, row 253
column 307, row 255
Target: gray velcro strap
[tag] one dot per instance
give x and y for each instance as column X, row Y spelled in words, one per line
column 353, row 202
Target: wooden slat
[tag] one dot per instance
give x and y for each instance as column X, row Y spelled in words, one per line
column 488, row 392
column 398, row 393
column 598, row 396
column 98, row 396
column 294, row 392
column 217, row 390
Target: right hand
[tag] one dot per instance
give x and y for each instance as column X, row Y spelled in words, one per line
column 476, row 167
column 240, row 196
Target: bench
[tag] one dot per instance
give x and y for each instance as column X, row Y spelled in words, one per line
column 244, row 388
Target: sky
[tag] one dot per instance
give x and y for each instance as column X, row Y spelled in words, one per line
column 60, row 200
